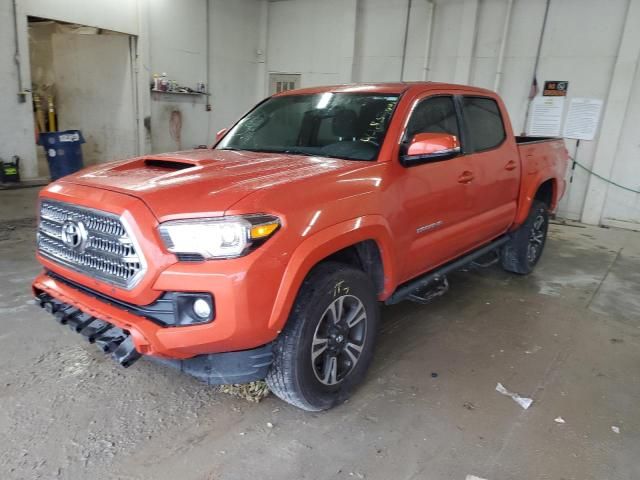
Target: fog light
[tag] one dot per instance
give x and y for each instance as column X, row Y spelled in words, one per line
column 201, row 308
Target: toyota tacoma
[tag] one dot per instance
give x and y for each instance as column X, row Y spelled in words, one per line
column 268, row 255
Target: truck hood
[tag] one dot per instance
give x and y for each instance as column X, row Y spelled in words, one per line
column 204, row 182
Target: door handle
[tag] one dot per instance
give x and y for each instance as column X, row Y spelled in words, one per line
column 465, row 177
column 511, row 165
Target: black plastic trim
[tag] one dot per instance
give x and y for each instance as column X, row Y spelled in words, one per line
column 409, row 161
column 164, row 311
column 225, row 368
column 404, row 291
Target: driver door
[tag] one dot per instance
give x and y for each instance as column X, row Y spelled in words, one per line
column 438, row 196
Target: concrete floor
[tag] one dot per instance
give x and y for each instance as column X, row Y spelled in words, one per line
column 567, row 336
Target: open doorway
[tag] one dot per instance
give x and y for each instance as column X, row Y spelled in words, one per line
column 83, row 79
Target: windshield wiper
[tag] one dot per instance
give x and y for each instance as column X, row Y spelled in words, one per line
column 299, row 152
column 291, row 151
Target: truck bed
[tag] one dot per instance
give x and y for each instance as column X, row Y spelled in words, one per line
column 542, row 158
column 524, row 139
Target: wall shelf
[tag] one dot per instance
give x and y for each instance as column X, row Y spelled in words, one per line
column 180, row 93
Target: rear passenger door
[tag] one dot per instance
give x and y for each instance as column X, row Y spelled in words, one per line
column 495, row 164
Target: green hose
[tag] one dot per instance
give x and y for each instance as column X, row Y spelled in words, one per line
column 603, row 178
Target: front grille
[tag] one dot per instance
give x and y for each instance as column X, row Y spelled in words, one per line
column 92, row 242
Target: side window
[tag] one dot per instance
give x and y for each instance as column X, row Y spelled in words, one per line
column 485, row 129
column 433, row 115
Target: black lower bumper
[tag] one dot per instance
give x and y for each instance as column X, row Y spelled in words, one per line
column 109, row 338
column 225, row 368
column 214, row 369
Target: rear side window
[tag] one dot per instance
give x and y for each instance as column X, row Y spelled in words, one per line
column 485, row 129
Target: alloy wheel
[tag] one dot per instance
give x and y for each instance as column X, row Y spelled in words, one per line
column 338, row 340
column 536, row 239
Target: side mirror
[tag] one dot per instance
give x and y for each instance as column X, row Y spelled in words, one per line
column 221, row 133
column 430, row 147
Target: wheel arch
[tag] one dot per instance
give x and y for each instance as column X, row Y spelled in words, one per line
column 546, row 193
column 367, row 246
column 545, row 190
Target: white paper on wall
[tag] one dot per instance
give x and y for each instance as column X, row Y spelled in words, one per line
column 545, row 117
column 583, row 118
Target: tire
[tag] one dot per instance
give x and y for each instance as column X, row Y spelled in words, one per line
column 521, row 254
column 302, row 372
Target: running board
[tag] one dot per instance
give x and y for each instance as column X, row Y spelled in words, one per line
column 415, row 287
column 435, row 289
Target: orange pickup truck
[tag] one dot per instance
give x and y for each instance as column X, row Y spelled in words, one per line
column 267, row 256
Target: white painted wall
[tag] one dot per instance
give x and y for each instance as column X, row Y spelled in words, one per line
column 117, row 15
column 378, row 57
column 17, row 135
column 177, row 42
column 313, row 38
column 235, row 31
column 583, row 42
column 171, row 36
column 591, row 43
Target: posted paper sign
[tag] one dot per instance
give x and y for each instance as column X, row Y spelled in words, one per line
column 545, row 117
column 583, row 118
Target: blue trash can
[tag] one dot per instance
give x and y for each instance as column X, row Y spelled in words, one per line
column 64, row 152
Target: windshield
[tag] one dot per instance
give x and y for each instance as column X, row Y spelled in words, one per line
column 341, row 125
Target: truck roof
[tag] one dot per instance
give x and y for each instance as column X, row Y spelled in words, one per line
column 384, row 87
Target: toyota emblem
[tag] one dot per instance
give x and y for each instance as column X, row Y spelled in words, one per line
column 75, row 235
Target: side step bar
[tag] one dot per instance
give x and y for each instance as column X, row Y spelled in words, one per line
column 108, row 338
column 414, row 288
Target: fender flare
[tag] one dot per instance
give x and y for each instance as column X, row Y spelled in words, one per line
column 527, row 195
column 322, row 244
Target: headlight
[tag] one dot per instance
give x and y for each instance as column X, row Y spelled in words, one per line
column 223, row 237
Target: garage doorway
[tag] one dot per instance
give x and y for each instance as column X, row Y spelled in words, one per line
column 86, row 74
column 281, row 82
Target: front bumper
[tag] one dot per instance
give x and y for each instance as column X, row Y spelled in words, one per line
column 242, row 288
column 213, row 369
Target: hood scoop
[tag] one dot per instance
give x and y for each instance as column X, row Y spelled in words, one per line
column 167, row 164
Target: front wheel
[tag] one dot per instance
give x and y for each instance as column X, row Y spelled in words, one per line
column 525, row 247
column 327, row 345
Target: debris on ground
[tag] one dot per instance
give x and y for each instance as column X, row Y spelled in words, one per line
column 615, row 429
column 473, row 477
column 524, row 402
column 469, row 406
column 559, row 420
column 252, row 392
column 434, row 375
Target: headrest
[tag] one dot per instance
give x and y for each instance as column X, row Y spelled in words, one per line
column 344, row 123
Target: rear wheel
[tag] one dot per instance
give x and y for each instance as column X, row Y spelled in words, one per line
column 522, row 252
column 327, row 345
